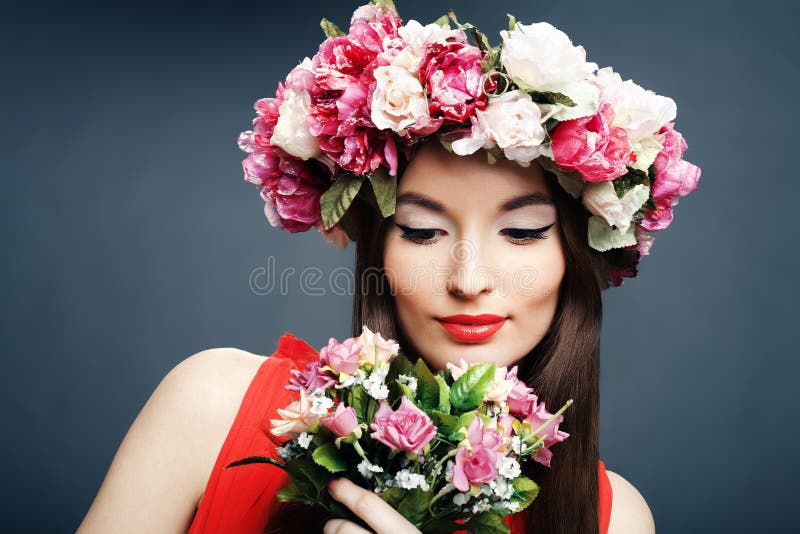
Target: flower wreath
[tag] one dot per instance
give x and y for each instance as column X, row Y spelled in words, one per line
column 350, row 114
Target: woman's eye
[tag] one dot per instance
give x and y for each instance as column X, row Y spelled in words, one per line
column 423, row 236
column 522, row 235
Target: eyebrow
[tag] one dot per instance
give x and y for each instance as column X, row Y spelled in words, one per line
column 532, row 199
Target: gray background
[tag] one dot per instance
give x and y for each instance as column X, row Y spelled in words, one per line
column 130, row 239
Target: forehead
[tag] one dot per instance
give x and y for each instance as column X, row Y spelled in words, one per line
column 469, row 180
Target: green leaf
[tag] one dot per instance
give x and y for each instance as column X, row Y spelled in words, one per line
column 444, row 394
column 414, row 505
column 468, row 391
column 393, row 496
column 512, row 21
column 330, row 29
column 384, row 186
column 308, row 476
column 256, row 460
column 628, row 181
column 446, row 523
column 427, row 387
column 443, row 21
column 360, row 403
column 544, row 97
column 328, row 457
column 603, row 237
column 446, row 423
column 335, row 201
column 525, row 491
column 487, row 523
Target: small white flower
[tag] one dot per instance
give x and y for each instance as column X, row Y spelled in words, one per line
column 511, row 505
column 366, row 469
column 503, row 489
column 320, row 403
column 284, row 452
column 410, row 381
column 408, row 480
column 460, row 499
column 447, row 488
column 516, row 444
column 375, row 386
column 481, row 506
column 304, row 439
column 510, row 468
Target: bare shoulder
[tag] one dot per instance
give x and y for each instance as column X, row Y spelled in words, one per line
column 162, row 465
column 630, row 513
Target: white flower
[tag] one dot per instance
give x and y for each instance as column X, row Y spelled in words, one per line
column 500, row 389
column 640, row 111
column 516, row 444
column 375, row 386
column 408, row 480
column 510, row 468
column 460, row 499
column 511, row 505
column 371, row 341
column 503, row 489
column 601, row 199
column 366, row 469
column 320, row 403
column 399, row 99
column 512, row 122
column 481, row 506
column 291, row 132
column 543, row 57
column 304, row 439
column 410, row 381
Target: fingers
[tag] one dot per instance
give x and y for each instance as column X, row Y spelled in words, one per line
column 341, row 526
column 376, row 512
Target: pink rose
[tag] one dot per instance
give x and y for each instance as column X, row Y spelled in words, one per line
column 473, row 468
column 451, row 74
column 479, row 462
column 341, row 357
column 674, row 178
column 590, row 145
column 521, row 400
column 310, row 378
column 551, row 433
column 342, row 422
column 406, row 429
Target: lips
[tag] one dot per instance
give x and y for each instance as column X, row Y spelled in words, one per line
column 472, row 328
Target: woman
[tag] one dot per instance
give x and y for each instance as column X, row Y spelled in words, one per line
column 524, row 179
column 447, row 221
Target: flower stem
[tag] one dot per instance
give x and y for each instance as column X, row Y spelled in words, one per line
column 553, row 417
column 360, row 451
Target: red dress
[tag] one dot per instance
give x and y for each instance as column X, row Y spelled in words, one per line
column 240, row 500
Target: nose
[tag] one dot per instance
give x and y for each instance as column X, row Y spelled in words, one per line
column 468, row 274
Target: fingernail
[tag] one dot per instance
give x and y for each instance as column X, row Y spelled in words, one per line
column 332, row 483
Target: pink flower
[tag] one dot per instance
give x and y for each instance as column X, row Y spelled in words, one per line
column 551, row 433
column 406, row 429
column 674, row 178
column 310, row 378
column 590, row 145
column 478, row 462
column 342, row 422
column 521, row 400
column 341, row 357
column 340, row 116
column 290, row 187
column 451, row 74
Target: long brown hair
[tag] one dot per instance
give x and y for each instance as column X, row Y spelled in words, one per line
column 564, row 365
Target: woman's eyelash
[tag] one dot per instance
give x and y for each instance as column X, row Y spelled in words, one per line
column 516, row 235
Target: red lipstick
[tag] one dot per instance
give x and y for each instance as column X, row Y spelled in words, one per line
column 472, row 328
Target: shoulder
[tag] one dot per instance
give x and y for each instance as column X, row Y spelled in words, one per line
column 163, row 464
column 630, row 513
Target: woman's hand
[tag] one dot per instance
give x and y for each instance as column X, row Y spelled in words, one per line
column 375, row 512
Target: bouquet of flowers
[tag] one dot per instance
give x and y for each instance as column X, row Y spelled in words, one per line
column 440, row 447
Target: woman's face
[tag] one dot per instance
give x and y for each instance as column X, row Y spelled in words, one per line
column 469, row 238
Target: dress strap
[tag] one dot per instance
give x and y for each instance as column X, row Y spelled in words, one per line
column 604, row 497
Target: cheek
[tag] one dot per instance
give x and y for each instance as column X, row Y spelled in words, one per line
column 410, row 274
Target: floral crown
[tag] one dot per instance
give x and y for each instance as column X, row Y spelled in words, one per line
column 355, row 111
